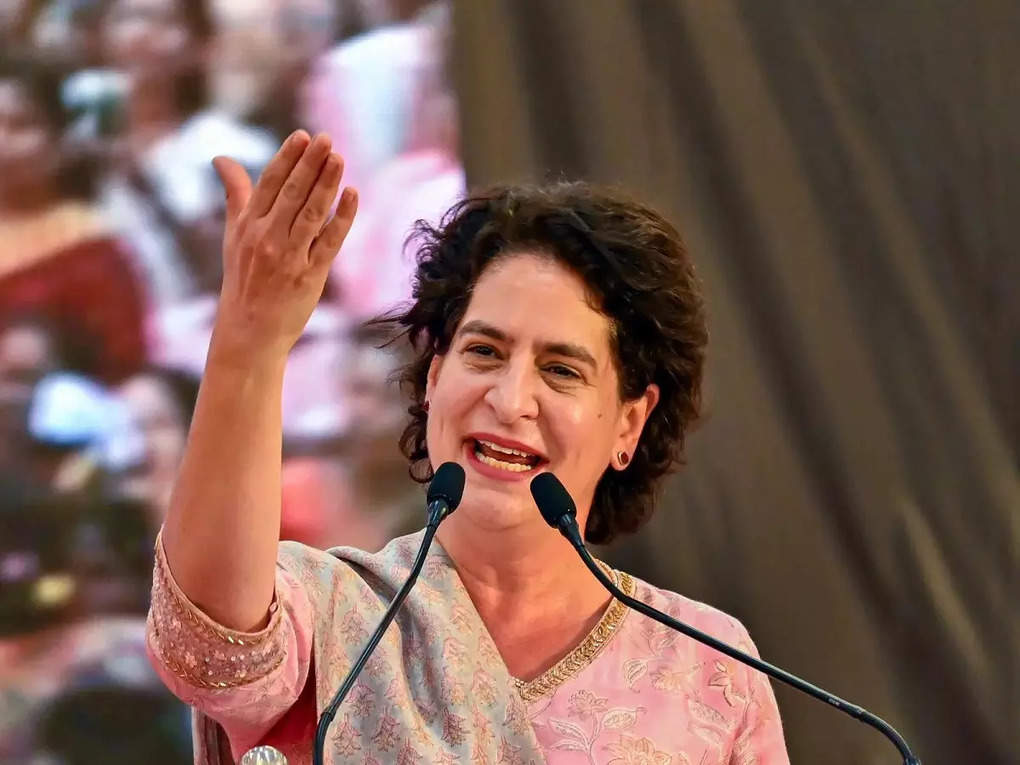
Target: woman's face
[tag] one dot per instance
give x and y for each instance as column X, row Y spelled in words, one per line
column 529, row 369
column 159, row 418
column 143, row 34
column 26, row 145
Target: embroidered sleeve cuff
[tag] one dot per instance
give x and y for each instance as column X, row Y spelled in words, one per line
column 201, row 652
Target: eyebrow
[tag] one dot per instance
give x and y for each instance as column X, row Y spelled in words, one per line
column 569, row 350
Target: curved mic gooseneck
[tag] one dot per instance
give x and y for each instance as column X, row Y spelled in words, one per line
column 444, row 495
column 557, row 507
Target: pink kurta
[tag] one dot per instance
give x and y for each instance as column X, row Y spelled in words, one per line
column 633, row 692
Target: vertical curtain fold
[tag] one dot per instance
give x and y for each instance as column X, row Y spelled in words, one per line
column 841, row 173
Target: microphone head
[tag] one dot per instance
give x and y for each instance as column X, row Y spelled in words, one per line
column 264, row 755
column 553, row 500
column 448, row 485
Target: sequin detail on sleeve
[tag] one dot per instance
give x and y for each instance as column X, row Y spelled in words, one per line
column 198, row 650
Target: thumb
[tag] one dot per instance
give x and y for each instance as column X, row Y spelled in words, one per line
column 236, row 184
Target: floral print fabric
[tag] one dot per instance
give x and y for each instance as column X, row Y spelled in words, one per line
column 437, row 690
column 655, row 697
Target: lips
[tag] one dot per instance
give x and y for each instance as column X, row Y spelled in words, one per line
column 504, row 455
column 512, row 463
column 508, row 445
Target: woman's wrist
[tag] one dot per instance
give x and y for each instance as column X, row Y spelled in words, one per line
column 230, row 356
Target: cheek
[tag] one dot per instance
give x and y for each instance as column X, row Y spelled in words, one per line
column 451, row 402
column 587, row 428
column 571, row 419
column 577, row 429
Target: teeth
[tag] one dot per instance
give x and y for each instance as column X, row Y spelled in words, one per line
column 505, row 450
column 513, row 467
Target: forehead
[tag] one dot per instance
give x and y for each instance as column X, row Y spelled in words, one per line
column 532, row 296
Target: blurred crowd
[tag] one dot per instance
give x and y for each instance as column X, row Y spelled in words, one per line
column 110, row 226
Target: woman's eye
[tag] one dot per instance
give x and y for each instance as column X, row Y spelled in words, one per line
column 486, row 351
column 561, row 371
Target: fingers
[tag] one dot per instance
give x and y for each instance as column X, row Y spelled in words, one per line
column 327, row 244
column 315, row 211
column 236, row 185
column 299, row 182
column 276, row 173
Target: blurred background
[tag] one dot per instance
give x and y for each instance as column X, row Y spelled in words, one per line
column 843, row 176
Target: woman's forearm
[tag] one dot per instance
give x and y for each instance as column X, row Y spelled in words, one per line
column 223, row 525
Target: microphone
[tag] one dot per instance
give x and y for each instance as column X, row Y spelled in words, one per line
column 444, row 494
column 264, row 755
column 559, row 511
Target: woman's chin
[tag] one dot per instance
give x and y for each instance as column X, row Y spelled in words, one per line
column 489, row 508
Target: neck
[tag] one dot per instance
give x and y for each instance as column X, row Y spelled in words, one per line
column 532, row 591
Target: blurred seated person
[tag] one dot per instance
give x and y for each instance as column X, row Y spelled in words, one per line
column 79, row 435
column 362, row 92
column 378, row 412
column 58, row 258
column 387, row 98
column 354, row 485
column 420, row 183
column 76, row 430
column 56, row 613
column 293, row 34
column 148, row 116
column 159, row 402
column 27, row 354
column 318, row 502
column 62, row 32
column 112, row 713
column 315, row 411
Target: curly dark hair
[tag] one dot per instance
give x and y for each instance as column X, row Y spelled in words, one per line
column 638, row 274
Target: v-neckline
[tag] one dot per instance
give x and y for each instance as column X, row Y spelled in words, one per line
column 577, row 658
column 585, row 652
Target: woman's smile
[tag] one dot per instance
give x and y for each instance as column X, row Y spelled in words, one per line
column 501, row 458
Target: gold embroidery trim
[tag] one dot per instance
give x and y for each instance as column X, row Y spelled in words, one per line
column 182, row 609
column 587, row 650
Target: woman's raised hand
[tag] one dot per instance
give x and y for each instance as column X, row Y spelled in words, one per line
column 277, row 247
column 223, row 525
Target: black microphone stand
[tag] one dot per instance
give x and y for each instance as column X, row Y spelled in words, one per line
column 567, row 526
column 438, row 509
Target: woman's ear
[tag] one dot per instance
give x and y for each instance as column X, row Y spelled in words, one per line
column 433, row 375
column 633, row 416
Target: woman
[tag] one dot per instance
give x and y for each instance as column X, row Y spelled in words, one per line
column 59, row 260
column 159, row 402
column 556, row 330
column 70, row 594
column 154, row 132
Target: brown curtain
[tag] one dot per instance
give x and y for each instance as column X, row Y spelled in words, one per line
column 842, row 173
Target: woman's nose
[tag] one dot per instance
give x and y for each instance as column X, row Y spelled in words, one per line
column 512, row 394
